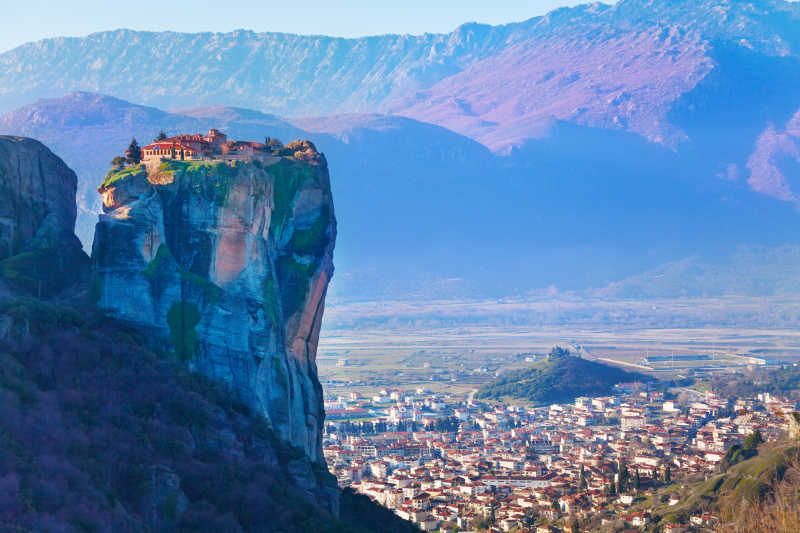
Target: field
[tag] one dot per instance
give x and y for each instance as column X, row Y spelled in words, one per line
column 441, row 349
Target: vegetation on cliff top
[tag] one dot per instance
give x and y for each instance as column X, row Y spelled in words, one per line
column 116, row 175
column 561, row 377
column 99, row 433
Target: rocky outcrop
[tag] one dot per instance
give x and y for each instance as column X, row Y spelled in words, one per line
column 39, row 252
column 227, row 267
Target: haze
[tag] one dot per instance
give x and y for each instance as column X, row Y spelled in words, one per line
column 348, row 18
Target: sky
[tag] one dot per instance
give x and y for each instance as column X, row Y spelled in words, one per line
column 32, row 20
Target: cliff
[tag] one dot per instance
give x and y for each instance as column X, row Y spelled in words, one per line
column 227, row 268
column 39, row 252
column 100, row 430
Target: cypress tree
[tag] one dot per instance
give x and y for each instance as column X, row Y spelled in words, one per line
column 133, row 154
column 623, row 478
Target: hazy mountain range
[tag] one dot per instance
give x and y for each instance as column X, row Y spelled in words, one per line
column 577, row 149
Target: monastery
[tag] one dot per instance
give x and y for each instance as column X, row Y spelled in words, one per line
column 194, row 147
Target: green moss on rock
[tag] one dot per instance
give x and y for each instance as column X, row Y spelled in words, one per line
column 182, row 318
column 289, row 177
column 211, row 179
column 294, row 279
column 312, row 240
column 162, row 254
column 211, row 292
column 116, row 175
column 270, row 299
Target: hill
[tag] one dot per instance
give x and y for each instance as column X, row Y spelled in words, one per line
column 100, row 433
column 559, row 378
column 783, row 380
column 755, row 490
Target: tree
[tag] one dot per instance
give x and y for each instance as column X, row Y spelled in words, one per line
column 133, row 154
column 573, row 526
column 623, row 478
column 161, row 136
column 118, row 162
column 582, row 478
column 558, row 352
column 612, row 489
column 753, row 440
column 667, row 475
column 273, row 144
column 637, row 482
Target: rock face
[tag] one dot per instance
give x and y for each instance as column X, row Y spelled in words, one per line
column 38, row 250
column 228, row 266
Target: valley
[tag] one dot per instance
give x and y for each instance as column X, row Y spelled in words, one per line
column 532, row 277
column 459, row 346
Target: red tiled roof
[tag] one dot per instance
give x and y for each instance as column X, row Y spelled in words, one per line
column 167, row 146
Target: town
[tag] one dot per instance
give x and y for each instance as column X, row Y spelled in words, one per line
column 450, row 463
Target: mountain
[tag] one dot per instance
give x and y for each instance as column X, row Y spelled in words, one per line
column 116, row 417
column 625, row 137
column 628, row 204
column 560, row 378
column 627, row 67
column 287, row 74
column 748, row 271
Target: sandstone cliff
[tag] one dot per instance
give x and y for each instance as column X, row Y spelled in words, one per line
column 227, row 267
column 39, row 252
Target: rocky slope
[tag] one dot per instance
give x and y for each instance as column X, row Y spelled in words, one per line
column 229, row 266
column 38, row 249
column 753, row 490
column 100, row 433
column 103, row 425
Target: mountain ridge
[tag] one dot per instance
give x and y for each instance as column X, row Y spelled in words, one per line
column 268, row 70
column 472, row 205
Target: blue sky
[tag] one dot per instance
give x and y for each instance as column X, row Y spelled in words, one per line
column 31, row 20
